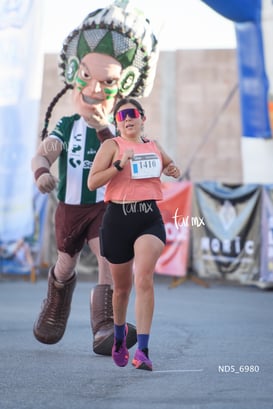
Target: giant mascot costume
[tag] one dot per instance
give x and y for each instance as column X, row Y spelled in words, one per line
column 112, row 54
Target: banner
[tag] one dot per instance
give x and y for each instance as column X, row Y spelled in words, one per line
column 266, row 275
column 253, row 21
column 176, row 212
column 21, row 64
column 227, row 244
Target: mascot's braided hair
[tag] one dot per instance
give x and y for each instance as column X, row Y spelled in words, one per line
column 121, row 32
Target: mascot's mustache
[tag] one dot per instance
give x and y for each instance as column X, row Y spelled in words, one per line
column 91, row 101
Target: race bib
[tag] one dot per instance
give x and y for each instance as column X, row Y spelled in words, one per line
column 145, row 165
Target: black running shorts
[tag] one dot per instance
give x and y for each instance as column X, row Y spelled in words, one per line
column 123, row 223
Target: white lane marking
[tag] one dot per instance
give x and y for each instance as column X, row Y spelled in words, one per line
column 179, row 370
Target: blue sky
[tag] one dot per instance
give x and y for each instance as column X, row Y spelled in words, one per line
column 181, row 24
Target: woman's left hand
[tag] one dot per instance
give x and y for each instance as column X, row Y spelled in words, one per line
column 172, row 170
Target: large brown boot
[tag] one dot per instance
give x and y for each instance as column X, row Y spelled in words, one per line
column 51, row 323
column 102, row 322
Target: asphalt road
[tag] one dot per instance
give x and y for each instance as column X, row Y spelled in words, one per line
column 212, row 348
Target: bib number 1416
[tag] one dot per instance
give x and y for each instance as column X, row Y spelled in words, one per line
column 146, row 165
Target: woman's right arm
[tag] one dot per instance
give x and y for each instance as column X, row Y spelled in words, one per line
column 47, row 153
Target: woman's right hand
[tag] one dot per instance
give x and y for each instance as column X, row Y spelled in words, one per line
column 127, row 154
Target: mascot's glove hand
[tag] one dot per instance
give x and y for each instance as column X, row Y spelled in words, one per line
column 46, row 182
column 99, row 121
column 97, row 118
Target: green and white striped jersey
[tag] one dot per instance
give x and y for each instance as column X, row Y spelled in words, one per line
column 80, row 145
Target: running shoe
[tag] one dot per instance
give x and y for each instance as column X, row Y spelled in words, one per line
column 141, row 360
column 120, row 353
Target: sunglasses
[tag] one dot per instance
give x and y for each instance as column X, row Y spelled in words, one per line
column 131, row 112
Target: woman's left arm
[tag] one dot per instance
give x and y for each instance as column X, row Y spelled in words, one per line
column 169, row 167
column 102, row 170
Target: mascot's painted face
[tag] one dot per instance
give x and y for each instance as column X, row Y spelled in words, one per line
column 112, row 54
column 96, row 82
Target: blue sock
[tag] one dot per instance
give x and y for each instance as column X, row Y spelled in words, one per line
column 142, row 341
column 119, row 331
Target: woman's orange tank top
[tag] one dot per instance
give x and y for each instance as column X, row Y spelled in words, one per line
column 140, row 177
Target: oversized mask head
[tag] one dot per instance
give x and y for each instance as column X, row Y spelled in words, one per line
column 121, row 32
